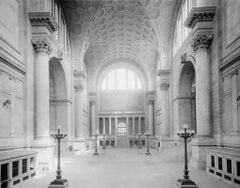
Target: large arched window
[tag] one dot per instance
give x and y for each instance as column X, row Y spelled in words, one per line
column 121, row 79
column 181, row 31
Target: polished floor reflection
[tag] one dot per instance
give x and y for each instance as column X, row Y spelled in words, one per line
column 129, row 168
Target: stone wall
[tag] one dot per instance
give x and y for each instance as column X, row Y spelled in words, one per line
column 129, row 101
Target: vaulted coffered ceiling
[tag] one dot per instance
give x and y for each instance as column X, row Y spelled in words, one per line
column 104, row 31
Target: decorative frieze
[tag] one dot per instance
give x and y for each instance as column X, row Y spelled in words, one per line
column 200, row 14
column 202, row 42
column 41, row 45
column 43, row 19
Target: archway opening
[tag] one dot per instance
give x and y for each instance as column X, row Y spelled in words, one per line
column 187, row 96
column 58, row 96
column 121, row 96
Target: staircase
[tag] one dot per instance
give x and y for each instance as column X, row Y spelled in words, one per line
column 122, row 142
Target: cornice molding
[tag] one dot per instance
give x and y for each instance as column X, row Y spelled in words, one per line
column 200, row 14
column 163, row 72
column 43, row 19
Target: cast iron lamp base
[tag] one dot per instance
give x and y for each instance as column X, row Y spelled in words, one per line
column 186, row 183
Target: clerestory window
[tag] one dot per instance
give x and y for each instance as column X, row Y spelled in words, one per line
column 121, row 79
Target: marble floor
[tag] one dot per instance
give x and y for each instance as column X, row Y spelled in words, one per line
column 123, row 168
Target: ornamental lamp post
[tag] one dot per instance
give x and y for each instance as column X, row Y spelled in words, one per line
column 58, row 182
column 186, row 182
column 139, row 140
column 147, row 133
column 95, row 152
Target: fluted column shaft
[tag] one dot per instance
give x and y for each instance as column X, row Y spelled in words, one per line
column 200, row 46
column 42, row 49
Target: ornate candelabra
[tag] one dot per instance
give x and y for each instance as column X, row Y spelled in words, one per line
column 58, row 182
column 139, row 140
column 95, row 152
column 147, row 134
column 186, row 182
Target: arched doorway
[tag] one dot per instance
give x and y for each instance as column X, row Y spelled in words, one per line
column 122, row 129
column 59, row 104
column 122, row 135
column 187, row 96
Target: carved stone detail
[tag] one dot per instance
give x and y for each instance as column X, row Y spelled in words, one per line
column 164, row 79
column 200, row 14
column 43, row 19
column 164, row 84
column 202, row 42
column 41, row 45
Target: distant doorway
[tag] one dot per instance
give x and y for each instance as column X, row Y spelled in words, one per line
column 122, row 141
column 122, row 129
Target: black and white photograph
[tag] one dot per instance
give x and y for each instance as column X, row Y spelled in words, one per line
column 119, row 93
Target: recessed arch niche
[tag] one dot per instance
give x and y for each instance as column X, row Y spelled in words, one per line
column 186, row 99
column 59, row 104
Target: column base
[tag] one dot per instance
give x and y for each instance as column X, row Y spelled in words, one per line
column 199, row 146
column 59, row 183
column 45, row 157
column 186, row 183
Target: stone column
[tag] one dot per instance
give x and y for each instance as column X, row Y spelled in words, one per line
column 104, row 125
column 42, row 142
column 139, row 125
column 93, row 117
column 201, row 44
column 164, row 99
column 79, row 87
column 150, row 115
column 43, row 50
column 78, row 144
column 133, row 118
column 201, row 22
column 110, row 126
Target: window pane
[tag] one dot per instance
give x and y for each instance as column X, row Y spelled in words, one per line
column 111, row 80
column 139, row 85
column 131, row 80
column 15, row 168
column 121, row 79
column 104, row 84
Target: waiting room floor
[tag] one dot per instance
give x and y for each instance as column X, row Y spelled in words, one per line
column 123, row 168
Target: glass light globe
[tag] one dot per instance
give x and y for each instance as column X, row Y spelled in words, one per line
column 185, row 126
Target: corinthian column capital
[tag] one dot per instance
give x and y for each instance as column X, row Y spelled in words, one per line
column 42, row 46
column 202, row 41
column 164, row 79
